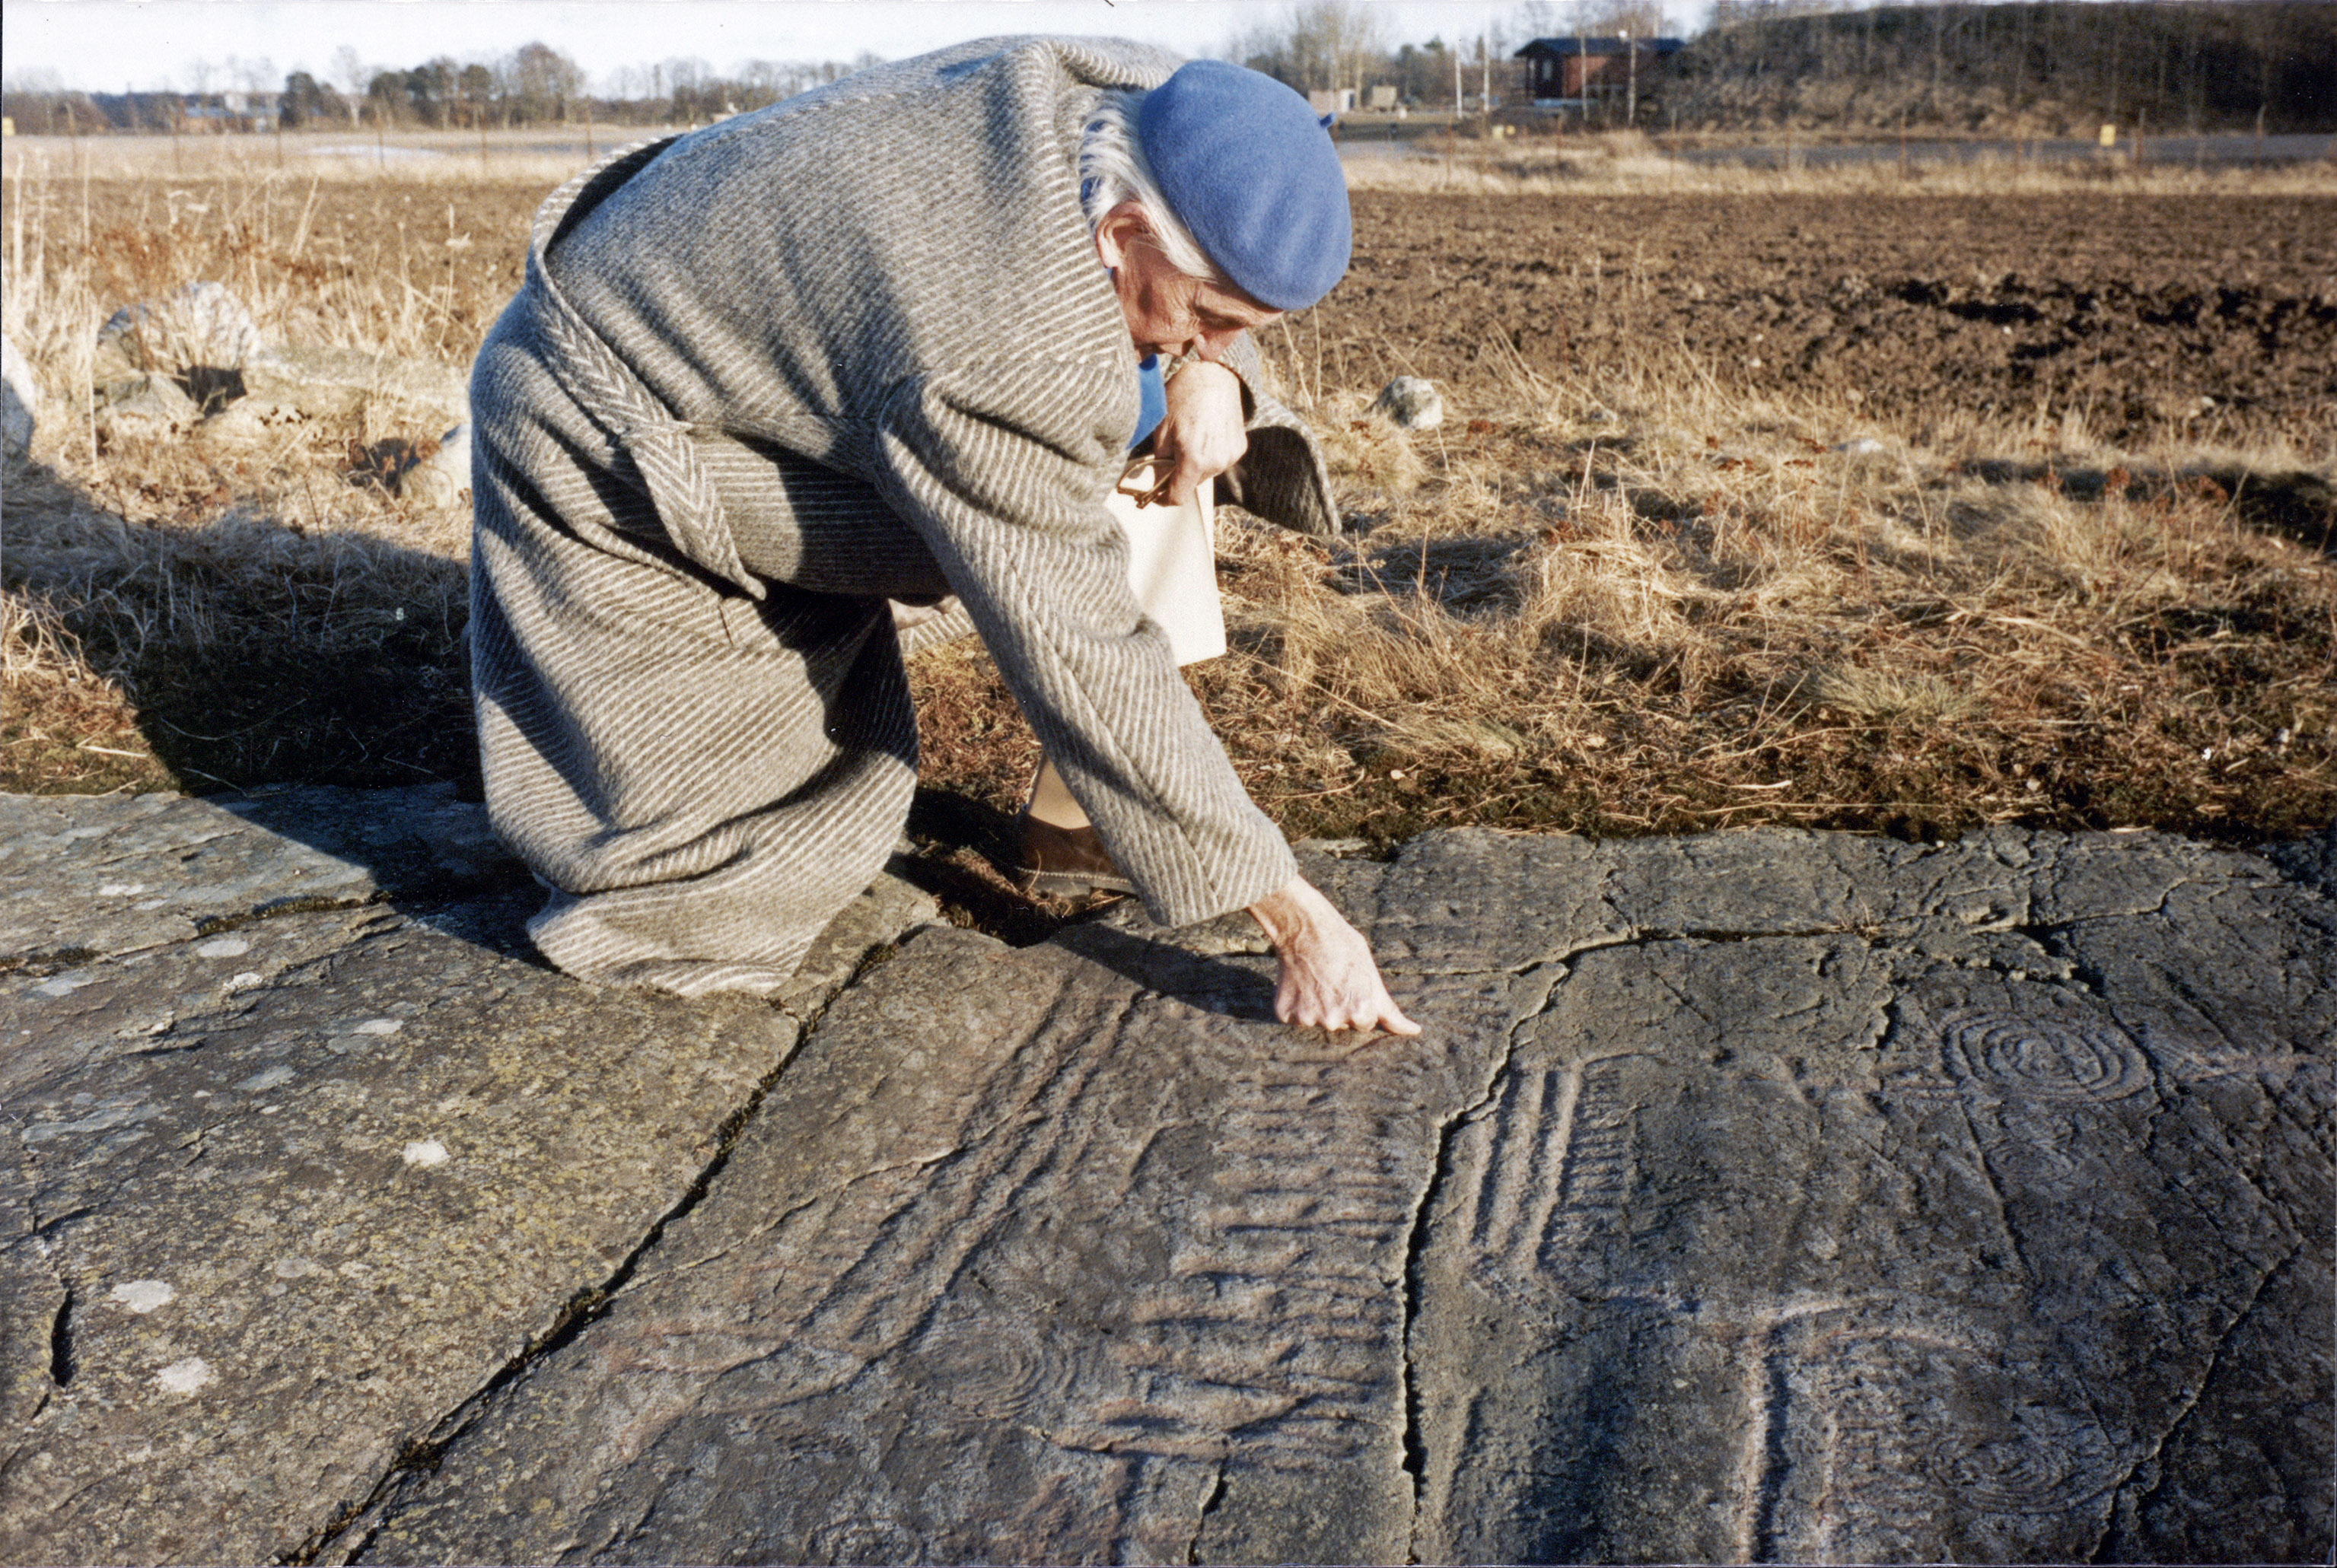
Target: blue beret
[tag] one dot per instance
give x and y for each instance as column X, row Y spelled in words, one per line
column 1252, row 172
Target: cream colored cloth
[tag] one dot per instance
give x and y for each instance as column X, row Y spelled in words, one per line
column 1172, row 562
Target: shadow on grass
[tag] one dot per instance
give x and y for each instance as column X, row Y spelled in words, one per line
column 243, row 652
column 961, row 843
column 2294, row 503
column 239, row 655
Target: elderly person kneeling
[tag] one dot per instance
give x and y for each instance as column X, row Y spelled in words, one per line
column 888, row 342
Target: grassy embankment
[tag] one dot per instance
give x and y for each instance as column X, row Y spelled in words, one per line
column 1625, row 597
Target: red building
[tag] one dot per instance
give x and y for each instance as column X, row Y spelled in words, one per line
column 1575, row 72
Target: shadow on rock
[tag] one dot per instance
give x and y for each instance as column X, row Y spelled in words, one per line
column 429, row 852
column 1212, row 985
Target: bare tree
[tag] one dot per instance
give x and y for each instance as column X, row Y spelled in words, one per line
column 1317, row 44
column 354, row 75
column 477, row 85
column 542, row 83
column 1620, row 18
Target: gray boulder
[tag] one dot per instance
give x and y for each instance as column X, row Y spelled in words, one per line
column 443, row 478
column 201, row 336
column 146, row 404
column 205, row 339
column 328, row 383
column 20, row 402
column 1411, row 402
column 251, row 421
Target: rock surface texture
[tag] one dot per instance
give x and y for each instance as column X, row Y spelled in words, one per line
column 1773, row 1196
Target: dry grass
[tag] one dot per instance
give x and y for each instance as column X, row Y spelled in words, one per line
column 1640, row 604
column 543, row 157
column 1626, row 601
column 1687, row 610
column 231, row 649
column 198, row 612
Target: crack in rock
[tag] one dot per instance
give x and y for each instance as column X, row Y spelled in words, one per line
column 1775, row 1195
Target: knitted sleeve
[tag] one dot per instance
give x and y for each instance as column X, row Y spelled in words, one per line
column 1282, row 477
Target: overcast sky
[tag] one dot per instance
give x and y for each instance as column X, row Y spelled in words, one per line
column 106, row 46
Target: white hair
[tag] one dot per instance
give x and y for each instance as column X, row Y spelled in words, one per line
column 1112, row 170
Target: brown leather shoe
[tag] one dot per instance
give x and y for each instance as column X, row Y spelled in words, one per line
column 1066, row 862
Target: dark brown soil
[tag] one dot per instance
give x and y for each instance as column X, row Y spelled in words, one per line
column 2129, row 310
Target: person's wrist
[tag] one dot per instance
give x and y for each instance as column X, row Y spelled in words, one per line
column 1286, row 914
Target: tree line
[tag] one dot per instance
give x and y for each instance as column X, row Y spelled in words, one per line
column 2032, row 64
column 535, row 84
column 2018, row 67
column 1950, row 65
column 538, row 85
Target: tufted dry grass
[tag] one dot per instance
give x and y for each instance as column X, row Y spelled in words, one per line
column 1621, row 599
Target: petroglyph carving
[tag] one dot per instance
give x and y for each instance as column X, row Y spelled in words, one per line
column 1274, row 1314
column 866, row 1541
column 1761, row 1242
column 1882, row 1445
column 2044, row 1059
column 1556, row 1165
column 1597, row 1173
column 997, row 1366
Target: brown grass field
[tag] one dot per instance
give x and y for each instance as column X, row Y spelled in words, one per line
column 1838, row 501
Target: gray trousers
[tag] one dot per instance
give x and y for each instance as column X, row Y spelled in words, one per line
column 708, row 777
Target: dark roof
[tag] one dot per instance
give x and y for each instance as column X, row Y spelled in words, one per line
column 1556, row 48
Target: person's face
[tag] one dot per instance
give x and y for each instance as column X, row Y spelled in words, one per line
column 1167, row 312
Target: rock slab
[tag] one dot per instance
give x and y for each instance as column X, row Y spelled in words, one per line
column 1758, row 1196
column 1765, row 1196
column 303, row 1149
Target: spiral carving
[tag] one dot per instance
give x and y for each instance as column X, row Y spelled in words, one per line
column 2045, row 1058
column 1000, row 1369
column 2054, row 1463
column 1975, row 1433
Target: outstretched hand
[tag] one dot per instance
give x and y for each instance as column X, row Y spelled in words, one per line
column 1202, row 434
column 1329, row 979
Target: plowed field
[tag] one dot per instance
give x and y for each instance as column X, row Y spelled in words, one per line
column 2147, row 316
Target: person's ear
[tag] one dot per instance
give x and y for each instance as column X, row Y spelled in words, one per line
column 1121, row 228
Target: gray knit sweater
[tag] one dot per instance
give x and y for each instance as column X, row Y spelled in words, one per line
column 856, row 344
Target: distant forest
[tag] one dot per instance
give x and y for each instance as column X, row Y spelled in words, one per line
column 2015, row 68
column 2035, row 66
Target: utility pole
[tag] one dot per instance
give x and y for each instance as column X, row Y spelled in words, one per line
column 1485, row 51
column 1631, row 96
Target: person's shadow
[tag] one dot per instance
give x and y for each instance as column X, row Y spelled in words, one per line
column 256, row 653
column 318, row 687
column 1203, row 981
